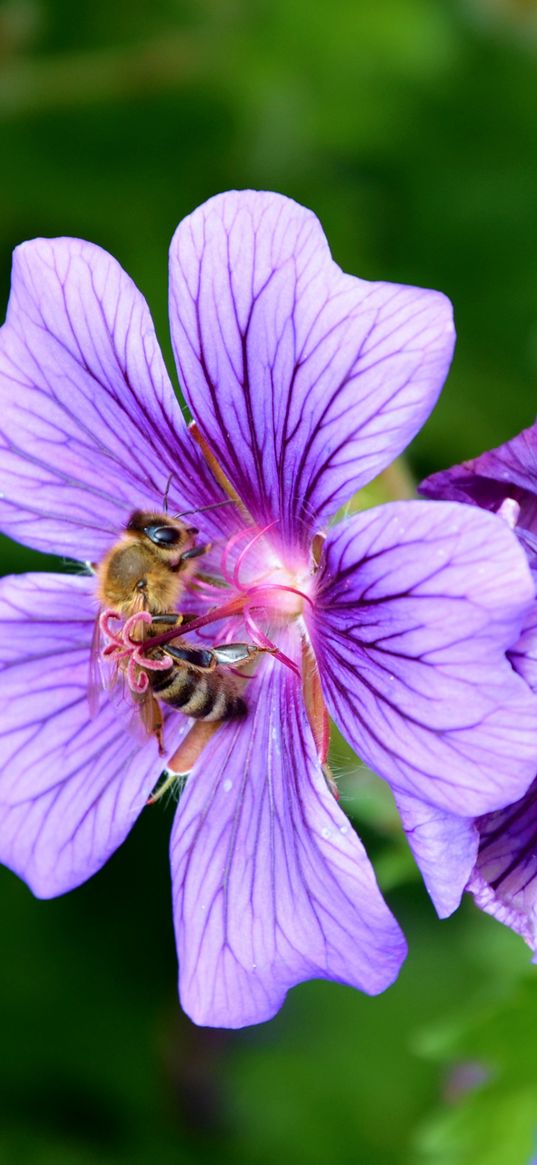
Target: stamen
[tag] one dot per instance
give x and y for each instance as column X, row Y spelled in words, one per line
column 233, row 607
column 314, row 701
column 191, row 748
column 317, row 545
column 229, row 546
column 266, row 643
column 256, row 537
column 509, row 511
column 268, row 587
column 216, row 469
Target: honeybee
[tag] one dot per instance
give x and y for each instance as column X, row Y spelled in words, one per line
column 146, row 571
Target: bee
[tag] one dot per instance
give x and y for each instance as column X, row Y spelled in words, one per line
column 146, row 571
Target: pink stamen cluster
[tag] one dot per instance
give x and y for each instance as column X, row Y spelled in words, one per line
column 125, row 649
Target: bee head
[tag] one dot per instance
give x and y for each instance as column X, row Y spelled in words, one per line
column 169, row 536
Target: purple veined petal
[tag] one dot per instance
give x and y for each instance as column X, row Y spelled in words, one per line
column 523, row 655
column 89, row 426
column 444, row 847
column 416, row 605
column 508, row 471
column 504, row 881
column 271, row 884
column 71, row 787
column 305, row 381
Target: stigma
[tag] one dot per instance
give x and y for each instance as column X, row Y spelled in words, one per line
column 258, row 586
column 251, row 566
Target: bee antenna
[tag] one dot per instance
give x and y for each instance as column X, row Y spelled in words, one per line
column 166, row 492
column 201, row 509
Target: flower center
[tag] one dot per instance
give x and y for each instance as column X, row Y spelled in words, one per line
column 262, row 577
column 254, row 587
column 265, row 592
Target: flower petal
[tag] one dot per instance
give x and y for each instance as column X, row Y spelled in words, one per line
column 71, row 787
column 89, row 425
column 417, row 604
column 504, row 882
column 510, row 471
column 444, row 847
column 305, row 381
column 271, row 884
column 523, row 655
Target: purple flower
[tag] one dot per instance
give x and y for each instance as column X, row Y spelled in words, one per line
column 504, row 878
column 305, row 383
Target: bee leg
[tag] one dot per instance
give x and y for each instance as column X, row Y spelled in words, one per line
column 171, row 618
column 238, row 654
column 158, row 724
column 195, row 656
column 207, row 658
column 159, row 622
column 195, row 552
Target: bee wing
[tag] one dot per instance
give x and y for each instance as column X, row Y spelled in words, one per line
column 148, row 715
column 146, row 718
column 95, row 677
column 103, row 675
column 142, row 719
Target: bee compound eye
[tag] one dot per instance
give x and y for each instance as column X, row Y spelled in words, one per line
column 163, row 535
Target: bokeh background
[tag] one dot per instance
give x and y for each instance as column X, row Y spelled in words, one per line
column 409, row 126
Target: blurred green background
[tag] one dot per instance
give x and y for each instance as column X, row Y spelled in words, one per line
column 409, row 126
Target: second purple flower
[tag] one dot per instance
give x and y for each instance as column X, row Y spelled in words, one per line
column 503, row 879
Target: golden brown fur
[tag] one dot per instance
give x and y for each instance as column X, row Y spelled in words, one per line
column 139, row 574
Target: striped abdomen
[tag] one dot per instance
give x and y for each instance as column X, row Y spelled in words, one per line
column 203, row 692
